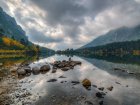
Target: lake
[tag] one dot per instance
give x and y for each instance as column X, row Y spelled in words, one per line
column 34, row 89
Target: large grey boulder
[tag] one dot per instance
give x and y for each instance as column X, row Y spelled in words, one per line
column 35, row 70
column 45, row 68
column 21, row 72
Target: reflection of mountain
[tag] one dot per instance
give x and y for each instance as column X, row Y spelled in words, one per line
column 118, row 35
column 109, row 66
column 17, row 60
column 7, row 61
column 128, row 59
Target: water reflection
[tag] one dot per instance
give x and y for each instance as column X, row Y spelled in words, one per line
column 100, row 72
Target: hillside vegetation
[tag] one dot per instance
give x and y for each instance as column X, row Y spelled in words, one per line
column 9, row 45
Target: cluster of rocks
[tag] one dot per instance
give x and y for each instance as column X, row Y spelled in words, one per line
column 86, row 83
column 99, row 94
column 27, row 70
column 65, row 65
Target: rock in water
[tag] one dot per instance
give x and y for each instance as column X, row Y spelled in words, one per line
column 101, row 88
column 88, row 103
column 21, row 72
column 62, row 77
column 45, row 68
column 28, row 69
column 110, row 88
column 86, row 83
column 99, row 95
column 52, row 80
column 35, row 70
column 65, row 69
column 77, row 62
column 54, row 70
column 101, row 103
column 75, row 82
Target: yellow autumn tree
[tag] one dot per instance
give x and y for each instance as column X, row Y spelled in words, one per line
column 6, row 41
column 10, row 42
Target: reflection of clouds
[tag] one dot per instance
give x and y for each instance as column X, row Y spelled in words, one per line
column 98, row 76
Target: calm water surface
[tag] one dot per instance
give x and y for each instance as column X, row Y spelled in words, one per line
column 126, row 87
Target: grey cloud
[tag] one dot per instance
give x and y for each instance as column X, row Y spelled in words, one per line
column 3, row 5
column 39, row 37
column 71, row 15
column 67, row 13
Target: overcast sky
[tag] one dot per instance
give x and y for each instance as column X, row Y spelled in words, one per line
column 60, row 24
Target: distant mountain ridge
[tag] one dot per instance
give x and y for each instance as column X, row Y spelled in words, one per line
column 117, row 35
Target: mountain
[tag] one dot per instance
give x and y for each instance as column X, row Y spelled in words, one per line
column 117, row 35
column 13, row 32
column 10, row 28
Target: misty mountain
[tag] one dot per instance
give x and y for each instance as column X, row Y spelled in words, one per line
column 117, row 35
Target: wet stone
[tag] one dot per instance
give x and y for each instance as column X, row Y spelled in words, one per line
column 88, row 103
column 101, row 88
column 86, row 83
column 62, row 77
column 118, row 83
column 45, row 68
column 54, row 70
column 36, row 70
column 52, row 80
column 75, row 82
column 28, row 69
column 101, row 103
column 94, row 86
column 99, row 95
column 110, row 88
